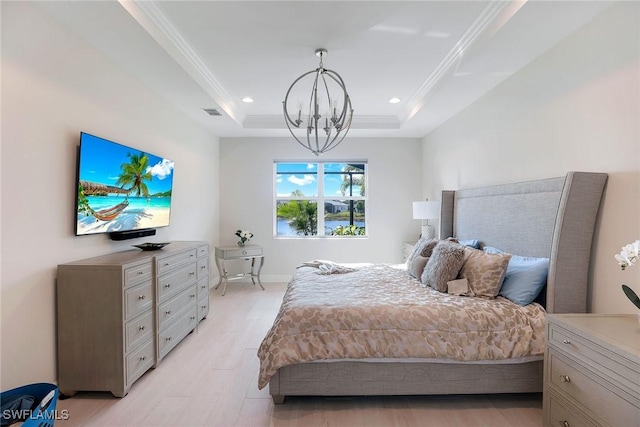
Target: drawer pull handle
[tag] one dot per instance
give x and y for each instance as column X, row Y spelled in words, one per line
column 166, row 264
column 192, row 295
column 193, row 317
column 203, row 267
column 565, row 378
column 203, row 287
column 566, row 342
column 244, row 252
column 140, row 297
column 191, row 273
column 204, row 306
column 168, row 285
column 565, row 423
column 141, row 328
column 167, row 312
column 140, row 273
column 143, row 358
column 168, row 339
column 191, row 255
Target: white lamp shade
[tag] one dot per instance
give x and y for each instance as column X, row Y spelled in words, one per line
column 426, row 210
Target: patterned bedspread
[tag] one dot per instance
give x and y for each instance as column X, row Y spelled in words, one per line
column 379, row 311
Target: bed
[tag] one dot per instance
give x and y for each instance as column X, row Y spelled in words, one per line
column 550, row 218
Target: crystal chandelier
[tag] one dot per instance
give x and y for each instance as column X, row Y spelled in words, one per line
column 328, row 117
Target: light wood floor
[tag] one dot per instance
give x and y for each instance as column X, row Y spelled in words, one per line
column 210, row 379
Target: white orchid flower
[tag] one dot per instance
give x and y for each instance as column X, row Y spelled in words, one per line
column 629, row 254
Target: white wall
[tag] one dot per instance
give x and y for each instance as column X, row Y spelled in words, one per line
column 247, row 192
column 53, row 87
column 577, row 107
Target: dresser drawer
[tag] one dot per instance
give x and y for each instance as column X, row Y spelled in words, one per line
column 561, row 414
column 138, row 330
column 172, row 336
column 238, row 253
column 203, row 306
column 590, row 390
column 601, row 359
column 202, row 267
column 137, row 274
column 138, row 299
column 168, row 263
column 139, row 362
column 173, row 283
column 203, row 287
column 203, row 251
column 175, row 307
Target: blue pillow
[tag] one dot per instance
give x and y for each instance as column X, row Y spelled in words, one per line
column 472, row 243
column 524, row 279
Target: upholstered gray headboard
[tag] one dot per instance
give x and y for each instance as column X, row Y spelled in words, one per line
column 552, row 218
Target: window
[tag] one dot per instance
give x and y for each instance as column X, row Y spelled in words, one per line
column 301, row 187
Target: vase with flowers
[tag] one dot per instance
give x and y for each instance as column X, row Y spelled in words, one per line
column 244, row 235
column 626, row 258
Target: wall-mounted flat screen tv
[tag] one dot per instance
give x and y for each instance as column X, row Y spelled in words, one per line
column 121, row 188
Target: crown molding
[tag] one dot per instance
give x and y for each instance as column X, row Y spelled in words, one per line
column 155, row 22
column 478, row 28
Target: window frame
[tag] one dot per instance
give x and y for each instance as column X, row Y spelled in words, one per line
column 320, row 198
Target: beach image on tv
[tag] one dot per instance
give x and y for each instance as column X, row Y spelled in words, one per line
column 121, row 188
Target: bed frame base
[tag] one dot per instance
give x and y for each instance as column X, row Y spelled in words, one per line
column 353, row 378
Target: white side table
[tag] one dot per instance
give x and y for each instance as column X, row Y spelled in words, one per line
column 246, row 252
column 407, row 250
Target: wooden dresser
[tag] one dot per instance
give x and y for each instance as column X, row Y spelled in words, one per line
column 119, row 314
column 592, row 370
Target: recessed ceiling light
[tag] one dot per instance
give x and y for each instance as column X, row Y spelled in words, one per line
column 247, row 99
column 394, row 100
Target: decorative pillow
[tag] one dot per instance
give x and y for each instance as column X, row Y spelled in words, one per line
column 415, row 250
column 443, row 265
column 472, row 243
column 458, row 287
column 485, row 271
column 417, row 266
column 428, row 247
column 423, row 248
column 525, row 277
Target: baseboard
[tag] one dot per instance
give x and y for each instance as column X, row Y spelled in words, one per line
column 276, row 278
column 285, row 278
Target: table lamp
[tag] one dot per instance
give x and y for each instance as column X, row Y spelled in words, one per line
column 426, row 210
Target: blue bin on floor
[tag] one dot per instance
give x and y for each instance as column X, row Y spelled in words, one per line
column 41, row 414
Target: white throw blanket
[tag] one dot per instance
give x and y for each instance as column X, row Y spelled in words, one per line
column 327, row 267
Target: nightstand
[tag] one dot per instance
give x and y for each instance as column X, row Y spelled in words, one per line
column 407, row 249
column 246, row 252
column 592, row 370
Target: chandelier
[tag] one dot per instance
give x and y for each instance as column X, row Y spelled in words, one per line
column 328, row 117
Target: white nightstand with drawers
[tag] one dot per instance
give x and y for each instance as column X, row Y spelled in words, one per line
column 592, row 370
column 247, row 252
column 407, row 249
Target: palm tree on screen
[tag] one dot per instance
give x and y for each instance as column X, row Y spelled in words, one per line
column 134, row 174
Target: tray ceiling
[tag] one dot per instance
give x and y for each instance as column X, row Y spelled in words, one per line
column 438, row 57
